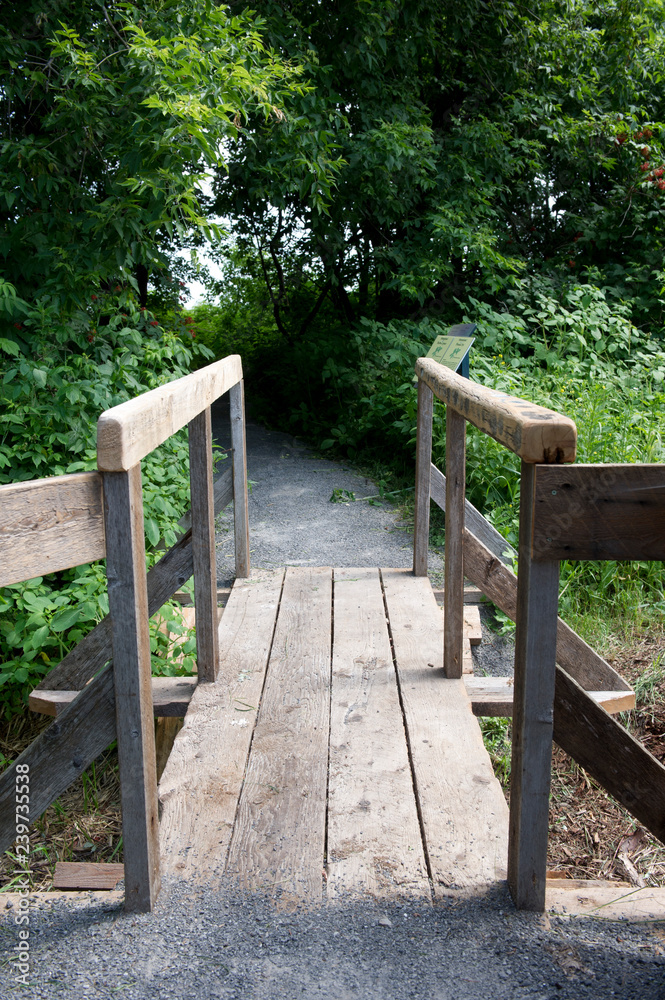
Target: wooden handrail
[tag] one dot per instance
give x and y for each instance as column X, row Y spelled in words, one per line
column 130, row 431
column 533, row 432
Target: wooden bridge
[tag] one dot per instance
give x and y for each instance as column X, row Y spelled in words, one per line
column 330, row 745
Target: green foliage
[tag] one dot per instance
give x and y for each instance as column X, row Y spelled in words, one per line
column 497, row 737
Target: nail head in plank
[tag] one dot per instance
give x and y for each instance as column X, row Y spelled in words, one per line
column 533, row 432
column 463, row 809
column 374, row 842
column 600, row 512
column 47, row 525
column 130, row 431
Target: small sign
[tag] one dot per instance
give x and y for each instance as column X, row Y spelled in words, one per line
column 450, row 351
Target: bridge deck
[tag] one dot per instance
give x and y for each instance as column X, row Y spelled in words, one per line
column 331, row 755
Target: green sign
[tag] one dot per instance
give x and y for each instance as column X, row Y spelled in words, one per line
column 450, row 351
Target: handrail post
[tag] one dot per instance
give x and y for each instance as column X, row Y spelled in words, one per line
column 533, row 708
column 423, row 464
column 240, row 504
column 453, row 600
column 203, row 545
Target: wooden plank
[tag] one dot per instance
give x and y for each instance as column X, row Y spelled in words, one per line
column 90, row 900
column 60, row 753
column 453, row 598
column 204, row 554
column 533, row 701
column 166, row 730
column 533, row 432
column 166, row 576
column 472, row 595
column 240, row 503
column 600, row 512
column 462, row 807
column 130, row 640
column 130, row 431
column 374, row 843
column 472, row 627
column 423, row 463
column 610, row 754
column 47, row 525
column 473, row 520
column 222, row 491
column 605, row 900
column 572, row 652
column 170, row 698
column 279, row 834
column 87, row 875
column 493, row 696
column 201, row 783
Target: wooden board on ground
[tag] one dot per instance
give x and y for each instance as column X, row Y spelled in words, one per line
column 170, row 698
column 96, row 900
column 463, row 809
column 87, row 875
column 604, row 900
column 374, row 842
column 278, row 839
column 472, row 626
column 493, row 696
column 201, row 783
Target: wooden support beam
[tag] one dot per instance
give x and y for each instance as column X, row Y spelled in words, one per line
column 47, row 525
column 204, row 558
column 170, row 698
column 533, row 701
column 600, row 512
column 453, row 599
column 130, row 639
column 423, row 462
column 87, row 875
column 533, row 432
column 240, row 504
column 473, row 520
column 493, row 696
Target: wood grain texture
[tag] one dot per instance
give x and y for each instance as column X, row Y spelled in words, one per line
column 572, row 652
column 171, row 572
column 87, row 875
column 374, row 841
column 453, row 598
column 130, row 641
column 50, row 524
column 533, row 706
column 610, row 754
column 463, row 809
column 60, row 753
column 279, row 834
column 200, row 786
column 473, row 520
column 423, row 463
column 600, row 512
column 493, row 696
column 130, row 431
column 472, row 627
column 170, row 698
column 240, row 502
column 608, row 900
column 534, row 433
column 204, row 554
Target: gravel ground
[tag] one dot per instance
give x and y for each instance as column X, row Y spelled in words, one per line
column 204, row 944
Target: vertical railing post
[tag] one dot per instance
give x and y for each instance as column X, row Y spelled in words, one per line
column 203, row 545
column 240, row 507
column 533, row 701
column 130, row 639
column 453, row 600
column 423, row 467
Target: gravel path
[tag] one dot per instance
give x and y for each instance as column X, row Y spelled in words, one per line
column 201, row 944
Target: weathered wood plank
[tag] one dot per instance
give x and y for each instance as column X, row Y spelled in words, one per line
column 374, row 841
column 600, row 512
column 533, row 432
column 50, row 524
column 200, row 786
column 610, row 754
column 170, row 698
column 59, row 754
column 572, row 652
column 204, row 556
column 423, row 463
column 493, row 696
column 462, row 807
column 533, row 704
column 453, row 598
column 130, row 431
column 278, row 839
column 608, row 900
column 171, row 572
column 87, row 875
column 166, row 730
column 240, row 502
column 472, row 627
column 130, row 641
column 473, row 520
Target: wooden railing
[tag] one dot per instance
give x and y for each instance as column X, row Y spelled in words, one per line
column 583, row 512
column 52, row 524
